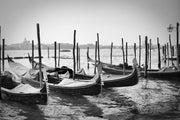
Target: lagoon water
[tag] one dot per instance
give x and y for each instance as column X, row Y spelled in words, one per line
column 150, row 99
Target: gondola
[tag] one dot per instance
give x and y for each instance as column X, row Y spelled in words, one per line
column 65, row 85
column 112, row 69
column 20, row 92
column 122, row 80
column 116, row 80
column 164, row 73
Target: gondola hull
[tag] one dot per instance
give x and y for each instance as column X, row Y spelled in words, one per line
column 121, row 81
column 91, row 88
column 155, row 73
column 94, row 89
column 24, row 98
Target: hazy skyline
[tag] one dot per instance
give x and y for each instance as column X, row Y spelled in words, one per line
column 112, row 19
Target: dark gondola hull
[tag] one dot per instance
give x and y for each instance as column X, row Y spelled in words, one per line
column 162, row 74
column 93, row 89
column 129, row 80
column 25, row 98
column 88, row 90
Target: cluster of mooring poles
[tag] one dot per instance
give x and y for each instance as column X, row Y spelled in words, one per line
column 167, row 52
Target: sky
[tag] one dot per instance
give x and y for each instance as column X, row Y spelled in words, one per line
column 112, row 19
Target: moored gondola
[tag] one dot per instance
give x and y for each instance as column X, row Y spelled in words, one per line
column 119, row 80
column 112, row 69
column 122, row 80
column 20, row 92
column 164, row 73
column 65, row 85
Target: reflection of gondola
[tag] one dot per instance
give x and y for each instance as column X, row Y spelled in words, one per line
column 24, row 93
column 66, row 85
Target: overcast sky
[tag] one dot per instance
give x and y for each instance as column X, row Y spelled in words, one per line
column 112, row 19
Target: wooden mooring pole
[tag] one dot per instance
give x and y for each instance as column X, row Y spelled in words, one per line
column 111, row 53
column 32, row 59
column 77, row 56
column 150, row 47
column 159, row 56
column 171, row 51
column 177, row 44
column 59, row 54
column 123, row 56
column 3, row 53
column 87, row 58
column 167, row 46
column 146, row 56
column 74, row 59
column 126, row 61
column 96, row 46
column 55, row 57
column 39, row 51
column 165, row 54
column 48, row 52
column 135, row 50
column 139, row 51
